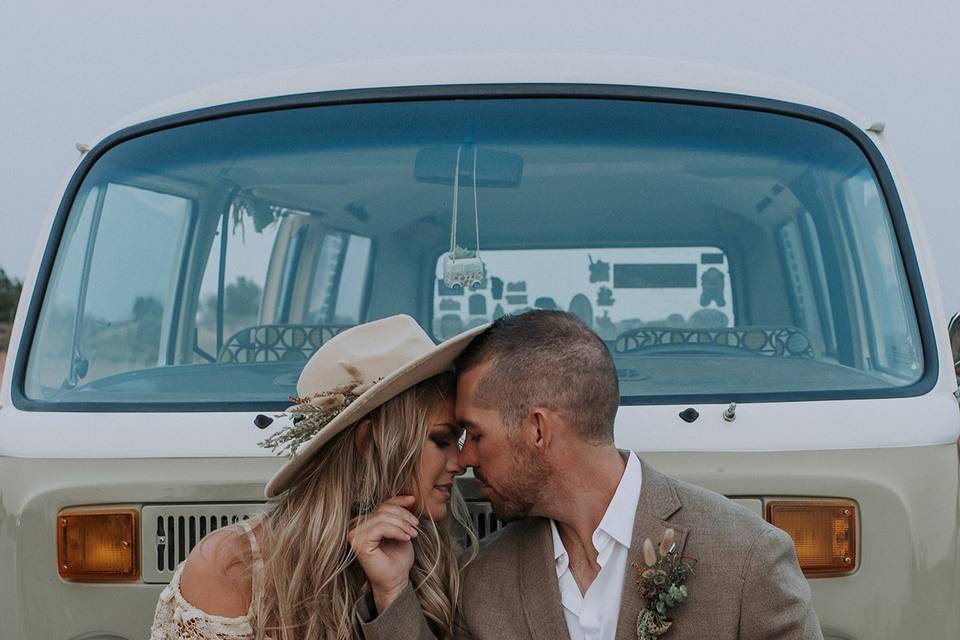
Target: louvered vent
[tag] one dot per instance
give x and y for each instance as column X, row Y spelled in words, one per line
column 484, row 522
column 169, row 532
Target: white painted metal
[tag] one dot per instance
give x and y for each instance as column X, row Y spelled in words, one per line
column 753, row 504
column 785, row 426
column 897, row 457
column 759, row 427
column 495, row 68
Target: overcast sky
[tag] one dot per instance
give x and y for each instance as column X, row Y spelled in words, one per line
column 68, row 69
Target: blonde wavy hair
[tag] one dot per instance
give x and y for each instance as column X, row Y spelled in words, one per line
column 310, row 578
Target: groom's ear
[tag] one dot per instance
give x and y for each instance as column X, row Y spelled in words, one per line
column 541, row 424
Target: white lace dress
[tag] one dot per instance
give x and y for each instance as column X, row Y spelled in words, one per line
column 177, row 619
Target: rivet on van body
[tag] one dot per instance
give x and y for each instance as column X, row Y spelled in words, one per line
column 689, row 415
column 730, row 414
column 82, row 148
column 262, row 421
column 877, row 127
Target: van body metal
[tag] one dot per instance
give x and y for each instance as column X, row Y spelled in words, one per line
column 895, row 455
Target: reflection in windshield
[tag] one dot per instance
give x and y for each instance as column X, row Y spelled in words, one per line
column 715, row 250
column 612, row 290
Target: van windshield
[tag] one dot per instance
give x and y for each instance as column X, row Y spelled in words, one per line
column 716, row 250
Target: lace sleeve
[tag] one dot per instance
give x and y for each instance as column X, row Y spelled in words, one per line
column 177, row 619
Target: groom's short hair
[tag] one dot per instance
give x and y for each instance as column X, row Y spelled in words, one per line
column 549, row 359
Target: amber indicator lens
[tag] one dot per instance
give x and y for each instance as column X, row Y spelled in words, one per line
column 824, row 533
column 98, row 546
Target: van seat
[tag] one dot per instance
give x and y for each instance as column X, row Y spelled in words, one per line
column 277, row 342
column 768, row 341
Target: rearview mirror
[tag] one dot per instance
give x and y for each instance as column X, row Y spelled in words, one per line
column 436, row 165
column 954, row 330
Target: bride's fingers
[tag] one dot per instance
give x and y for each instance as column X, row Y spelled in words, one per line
column 401, row 501
column 397, row 512
column 392, row 513
column 399, row 521
column 366, row 530
column 384, row 508
column 379, row 532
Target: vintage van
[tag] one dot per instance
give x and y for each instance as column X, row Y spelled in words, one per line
column 746, row 248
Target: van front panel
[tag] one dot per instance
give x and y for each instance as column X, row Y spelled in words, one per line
column 727, row 249
column 906, row 576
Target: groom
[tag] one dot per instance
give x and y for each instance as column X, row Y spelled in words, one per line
column 537, row 394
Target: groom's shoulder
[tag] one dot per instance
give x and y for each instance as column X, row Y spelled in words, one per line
column 700, row 502
column 719, row 519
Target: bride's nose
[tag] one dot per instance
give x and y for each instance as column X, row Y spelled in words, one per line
column 453, row 465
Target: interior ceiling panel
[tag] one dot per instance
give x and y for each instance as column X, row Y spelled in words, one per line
column 622, row 188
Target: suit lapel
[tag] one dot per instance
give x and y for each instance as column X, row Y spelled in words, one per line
column 658, row 501
column 539, row 589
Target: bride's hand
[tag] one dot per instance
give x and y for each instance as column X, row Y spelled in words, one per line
column 383, row 547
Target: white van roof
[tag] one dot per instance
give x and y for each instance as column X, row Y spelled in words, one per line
column 498, row 68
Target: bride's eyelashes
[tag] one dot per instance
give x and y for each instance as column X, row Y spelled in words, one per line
column 442, row 442
column 447, row 438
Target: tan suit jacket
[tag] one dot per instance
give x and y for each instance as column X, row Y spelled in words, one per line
column 746, row 584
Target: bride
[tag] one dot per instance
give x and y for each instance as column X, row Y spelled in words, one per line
column 372, row 481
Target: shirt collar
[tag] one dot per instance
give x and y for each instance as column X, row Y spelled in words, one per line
column 559, row 551
column 617, row 521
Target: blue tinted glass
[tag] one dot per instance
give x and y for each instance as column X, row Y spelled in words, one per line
column 715, row 250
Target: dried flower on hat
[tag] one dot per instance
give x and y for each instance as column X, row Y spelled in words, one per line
column 312, row 413
column 328, row 402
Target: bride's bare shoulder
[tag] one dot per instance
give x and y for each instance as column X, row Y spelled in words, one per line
column 217, row 577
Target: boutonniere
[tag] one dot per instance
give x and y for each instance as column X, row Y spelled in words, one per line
column 661, row 580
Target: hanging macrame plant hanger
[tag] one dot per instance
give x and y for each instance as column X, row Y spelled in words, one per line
column 463, row 267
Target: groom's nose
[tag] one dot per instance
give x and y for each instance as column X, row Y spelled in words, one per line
column 468, row 456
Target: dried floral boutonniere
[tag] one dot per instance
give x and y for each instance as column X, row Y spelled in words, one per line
column 313, row 412
column 661, row 580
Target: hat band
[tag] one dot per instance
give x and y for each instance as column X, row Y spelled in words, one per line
column 312, row 413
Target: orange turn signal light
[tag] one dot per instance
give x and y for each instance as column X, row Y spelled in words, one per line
column 98, row 545
column 824, row 532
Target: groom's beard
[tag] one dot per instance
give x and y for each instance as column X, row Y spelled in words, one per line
column 517, row 496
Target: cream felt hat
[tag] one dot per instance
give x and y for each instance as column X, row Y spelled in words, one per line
column 358, row 370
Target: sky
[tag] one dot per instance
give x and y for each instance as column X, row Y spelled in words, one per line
column 69, row 69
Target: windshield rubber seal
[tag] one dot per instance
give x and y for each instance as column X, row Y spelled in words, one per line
column 692, row 97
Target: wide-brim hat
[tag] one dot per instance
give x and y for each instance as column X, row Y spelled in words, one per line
column 379, row 360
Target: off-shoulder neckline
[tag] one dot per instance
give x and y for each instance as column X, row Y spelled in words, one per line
column 174, row 587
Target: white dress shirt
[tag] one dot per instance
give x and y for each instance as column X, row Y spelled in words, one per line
column 593, row 615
